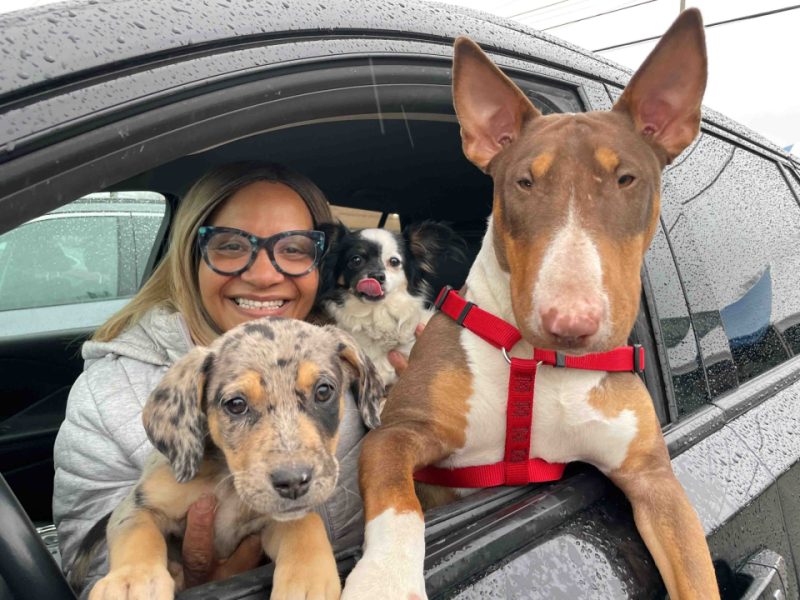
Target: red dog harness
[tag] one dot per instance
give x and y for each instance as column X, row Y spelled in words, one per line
column 517, row 468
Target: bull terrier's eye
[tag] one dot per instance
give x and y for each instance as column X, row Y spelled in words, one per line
column 525, row 183
column 625, row 181
column 355, row 261
column 235, row 406
column 394, row 262
column 323, row 392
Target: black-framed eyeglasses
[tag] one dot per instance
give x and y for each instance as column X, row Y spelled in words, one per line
column 230, row 251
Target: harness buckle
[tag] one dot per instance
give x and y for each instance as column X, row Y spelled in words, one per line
column 561, row 360
column 442, row 296
column 638, row 367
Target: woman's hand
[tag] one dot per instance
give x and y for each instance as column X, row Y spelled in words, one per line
column 399, row 360
column 199, row 563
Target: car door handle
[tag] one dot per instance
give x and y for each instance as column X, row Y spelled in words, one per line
column 762, row 577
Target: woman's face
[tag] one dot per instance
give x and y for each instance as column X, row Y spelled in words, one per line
column 262, row 208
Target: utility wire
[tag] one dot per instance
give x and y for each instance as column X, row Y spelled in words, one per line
column 709, row 26
column 537, row 9
column 608, row 12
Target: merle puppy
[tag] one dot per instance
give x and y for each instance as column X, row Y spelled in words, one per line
column 376, row 284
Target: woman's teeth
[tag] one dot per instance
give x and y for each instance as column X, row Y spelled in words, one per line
column 247, row 303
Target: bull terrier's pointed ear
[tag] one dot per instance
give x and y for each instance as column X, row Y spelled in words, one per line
column 664, row 95
column 491, row 109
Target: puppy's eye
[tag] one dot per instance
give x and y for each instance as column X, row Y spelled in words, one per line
column 323, row 392
column 394, row 262
column 235, row 406
column 355, row 261
column 625, row 181
column 525, row 183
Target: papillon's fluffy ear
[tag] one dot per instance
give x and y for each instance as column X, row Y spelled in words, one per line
column 334, row 232
column 430, row 243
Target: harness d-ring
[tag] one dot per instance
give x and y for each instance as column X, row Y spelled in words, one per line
column 506, row 356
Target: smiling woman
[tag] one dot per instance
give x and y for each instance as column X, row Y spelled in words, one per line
column 213, row 277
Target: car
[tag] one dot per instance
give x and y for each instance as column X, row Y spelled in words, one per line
column 127, row 99
column 92, row 251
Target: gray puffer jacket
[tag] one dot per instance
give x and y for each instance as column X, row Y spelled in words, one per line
column 101, row 447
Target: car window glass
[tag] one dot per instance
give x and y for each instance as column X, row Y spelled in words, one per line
column 677, row 332
column 89, row 250
column 734, row 226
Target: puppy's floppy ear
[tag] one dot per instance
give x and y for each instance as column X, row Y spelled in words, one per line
column 432, row 243
column 174, row 418
column 369, row 391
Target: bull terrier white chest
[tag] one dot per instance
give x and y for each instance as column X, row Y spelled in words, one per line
column 566, row 426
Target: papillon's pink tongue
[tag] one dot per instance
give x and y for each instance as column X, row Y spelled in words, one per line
column 370, row 287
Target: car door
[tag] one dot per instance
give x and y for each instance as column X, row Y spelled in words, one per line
column 61, row 275
column 732, row 224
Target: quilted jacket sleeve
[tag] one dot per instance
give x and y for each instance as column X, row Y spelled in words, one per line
column 100, row 450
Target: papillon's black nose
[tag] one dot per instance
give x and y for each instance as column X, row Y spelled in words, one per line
column 292, row 482
column 379, row 276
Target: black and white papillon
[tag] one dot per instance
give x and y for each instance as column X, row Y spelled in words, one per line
column 376, row 284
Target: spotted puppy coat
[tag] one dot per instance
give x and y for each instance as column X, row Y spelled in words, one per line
column 253, row 419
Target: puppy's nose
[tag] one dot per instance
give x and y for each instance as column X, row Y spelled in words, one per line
column 379, row 276
column 292, row 482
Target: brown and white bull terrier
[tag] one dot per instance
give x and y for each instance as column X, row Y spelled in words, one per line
column 576, row 203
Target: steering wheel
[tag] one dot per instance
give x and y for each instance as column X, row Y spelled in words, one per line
column 25, row 564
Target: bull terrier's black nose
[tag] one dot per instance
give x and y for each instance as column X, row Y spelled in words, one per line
column 292, row 482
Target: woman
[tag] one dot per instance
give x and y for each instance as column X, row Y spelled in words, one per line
column 191, row 298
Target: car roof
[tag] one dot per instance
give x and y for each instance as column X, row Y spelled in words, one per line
column 78, row 39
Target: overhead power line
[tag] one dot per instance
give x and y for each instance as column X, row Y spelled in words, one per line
column 537, row 9
column 709, row 26
column 608, row 12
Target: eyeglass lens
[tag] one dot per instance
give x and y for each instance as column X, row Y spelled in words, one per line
column 230, row 252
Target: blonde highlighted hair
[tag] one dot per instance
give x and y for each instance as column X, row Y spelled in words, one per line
column 174, row 283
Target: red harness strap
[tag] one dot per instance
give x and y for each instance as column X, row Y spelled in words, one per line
column 517, row 468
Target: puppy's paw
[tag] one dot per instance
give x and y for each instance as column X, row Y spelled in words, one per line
column 135, row 583
column 306, row 579
column 372, row 579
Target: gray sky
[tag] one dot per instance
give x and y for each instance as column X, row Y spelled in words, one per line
column 753, row 64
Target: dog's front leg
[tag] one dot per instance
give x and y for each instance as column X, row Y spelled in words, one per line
column 304, row 564
column 137, row 554
column 394, row 539
column 668, row 525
